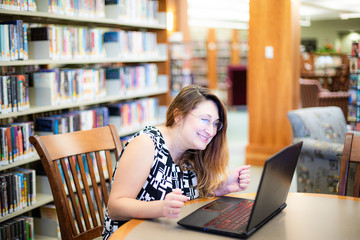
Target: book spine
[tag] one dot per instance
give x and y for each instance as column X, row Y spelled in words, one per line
column 25, row 40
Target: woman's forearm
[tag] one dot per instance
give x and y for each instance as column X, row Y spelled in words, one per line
column 128, row 208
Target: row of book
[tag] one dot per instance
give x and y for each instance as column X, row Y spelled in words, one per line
column 354, row 64
column 21, row 228
column 354, row 89
column 72, row 121
column 353, row 117
column 132, row 10
column 78, row 8
column 50, row 87
column 22, row 42
column 355, row 47
column 18, row 5
column 18, row 190
column 15, row 144
column 14, row 138
column 130, row 44
column 120, row 80
column 134, row 114
column 13, row 41
column 65, row 42
column 58, row 86
column 14, row 93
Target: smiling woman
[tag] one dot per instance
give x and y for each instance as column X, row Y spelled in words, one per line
column 163, row 167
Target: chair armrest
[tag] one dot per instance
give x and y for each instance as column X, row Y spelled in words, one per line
column 325, row 94
column 321, row 149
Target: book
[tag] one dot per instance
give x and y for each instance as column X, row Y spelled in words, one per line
column 46, row 88
column 47, row 125
column 3, row 195
column 39, row 33
column 25, row 40
column 14, row 85
column 5, row 43
column 30, row 184
column 18, row 37
column 4, row 95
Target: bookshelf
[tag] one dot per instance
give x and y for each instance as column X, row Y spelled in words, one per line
column 180, row 66
column 104, row 23
column 199, row 66
column 223, row 61
column 354, row 89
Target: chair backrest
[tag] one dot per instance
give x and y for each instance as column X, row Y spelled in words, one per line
column 78, row 166
column 322, row 123
column 309, row 90
column 351, row 154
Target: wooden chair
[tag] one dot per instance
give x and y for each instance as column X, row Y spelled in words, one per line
column 78, row 164
column 351, row 154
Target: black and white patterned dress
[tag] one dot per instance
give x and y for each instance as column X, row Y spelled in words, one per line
column 164, row 176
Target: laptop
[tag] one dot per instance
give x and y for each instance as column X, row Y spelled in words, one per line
column 240, row 217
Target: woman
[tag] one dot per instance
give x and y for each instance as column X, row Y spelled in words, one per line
column 161, row 168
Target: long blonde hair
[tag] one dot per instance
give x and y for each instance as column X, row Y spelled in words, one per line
column 209, row 164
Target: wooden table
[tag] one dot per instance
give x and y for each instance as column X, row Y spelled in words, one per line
column 307, row 216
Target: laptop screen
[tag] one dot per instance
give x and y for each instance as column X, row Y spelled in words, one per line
column 275, row 184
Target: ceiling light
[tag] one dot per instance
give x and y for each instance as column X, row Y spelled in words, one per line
column 345, row 16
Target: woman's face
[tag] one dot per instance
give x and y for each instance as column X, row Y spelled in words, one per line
column 200, row 125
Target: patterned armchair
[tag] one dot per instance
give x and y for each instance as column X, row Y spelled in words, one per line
column 323, row 130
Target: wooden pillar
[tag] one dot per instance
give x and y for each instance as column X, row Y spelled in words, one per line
column 182, row 23
column 272, row 76
column 235, row 48
column 211, row 58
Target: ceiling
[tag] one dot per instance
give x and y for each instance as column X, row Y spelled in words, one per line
column 329, row 9
column 235, row 13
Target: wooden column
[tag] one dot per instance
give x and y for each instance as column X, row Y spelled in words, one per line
column 272, row 82
column 182, row 23
column 235, row 48
column 163, row 67
column 212, row 58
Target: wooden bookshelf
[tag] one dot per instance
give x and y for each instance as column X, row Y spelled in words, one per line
column 162, row 62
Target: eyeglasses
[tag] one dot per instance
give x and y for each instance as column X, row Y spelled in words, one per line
column 207, row 122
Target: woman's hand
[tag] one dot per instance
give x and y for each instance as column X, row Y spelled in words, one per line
column 173, row 203
column 238, row 180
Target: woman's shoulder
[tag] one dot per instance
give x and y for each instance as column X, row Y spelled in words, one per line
column 151, row 131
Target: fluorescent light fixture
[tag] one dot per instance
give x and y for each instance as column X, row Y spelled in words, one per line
column 214, row 14
column 345, row 16
column 218, row 24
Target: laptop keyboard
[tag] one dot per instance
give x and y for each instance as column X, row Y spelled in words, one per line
column 234, row 219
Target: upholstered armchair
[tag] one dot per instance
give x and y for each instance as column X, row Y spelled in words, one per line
column 314, row 95
column 323, row 130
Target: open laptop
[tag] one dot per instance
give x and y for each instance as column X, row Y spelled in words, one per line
column 224, row 215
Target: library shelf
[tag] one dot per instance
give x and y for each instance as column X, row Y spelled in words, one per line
column 17, row 163
column 39, row 17
column 41, row 199
column 82, row 61
column 130, row 95
column 161, row 92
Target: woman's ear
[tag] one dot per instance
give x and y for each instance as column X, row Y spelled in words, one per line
column 177, row 116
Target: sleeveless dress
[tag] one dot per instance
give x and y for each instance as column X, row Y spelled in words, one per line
column 164, row 176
